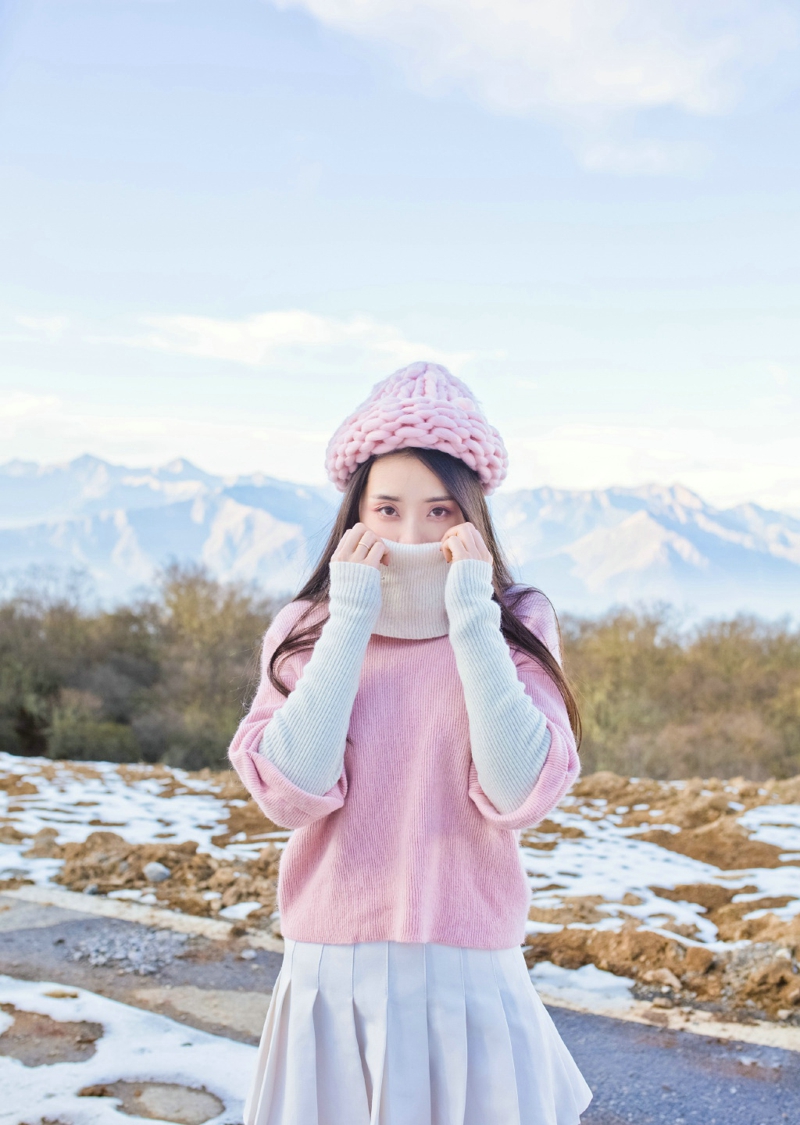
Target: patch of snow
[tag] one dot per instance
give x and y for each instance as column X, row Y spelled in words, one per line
column 136, row 1045
column 605, row 989
column 774, row 824
column 134, row 808
column 610, row 861
column 239, row 910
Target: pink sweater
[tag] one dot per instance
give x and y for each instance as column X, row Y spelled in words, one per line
column 406, row 846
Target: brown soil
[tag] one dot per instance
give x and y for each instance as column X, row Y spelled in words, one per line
column 16, row 786
column 577, row 908
column 761, row 978
column 37, row 1040
column 697, row 802
column 44, row 845
column 701, row 809
column 250, row 820
column 162, row 1101
column 9, row 834
column 764, row 975
column 55, row 771
column 106, row 862
column 723, row 843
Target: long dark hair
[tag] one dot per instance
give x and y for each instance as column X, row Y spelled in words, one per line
column 463, row 484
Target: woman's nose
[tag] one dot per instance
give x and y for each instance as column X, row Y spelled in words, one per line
column 412, row 532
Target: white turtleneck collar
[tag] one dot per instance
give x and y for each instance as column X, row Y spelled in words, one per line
column 412, row 592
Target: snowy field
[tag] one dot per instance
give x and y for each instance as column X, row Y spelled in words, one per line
column 157, row 1059
column 683, row 894
column 611, row 861
column 688, row 888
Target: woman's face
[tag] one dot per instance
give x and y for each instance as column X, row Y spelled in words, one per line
column 405, row 502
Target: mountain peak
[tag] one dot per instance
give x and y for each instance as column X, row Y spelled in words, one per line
column 587, row 549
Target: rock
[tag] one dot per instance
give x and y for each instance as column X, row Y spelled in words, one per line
column 190, row 881
column 698, row 960
column 155, row 872
column 793, row 995
column 44, row 845
column 661, row 976
column 139, row 950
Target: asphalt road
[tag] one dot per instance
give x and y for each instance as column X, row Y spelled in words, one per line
column 639, row 1074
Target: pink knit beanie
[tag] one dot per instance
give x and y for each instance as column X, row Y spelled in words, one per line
column 420, row 405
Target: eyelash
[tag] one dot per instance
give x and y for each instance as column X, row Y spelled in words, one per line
column 438, row 508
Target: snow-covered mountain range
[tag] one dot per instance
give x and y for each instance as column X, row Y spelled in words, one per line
column 586, row 549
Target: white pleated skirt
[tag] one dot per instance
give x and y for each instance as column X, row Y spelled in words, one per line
column 405, row 1033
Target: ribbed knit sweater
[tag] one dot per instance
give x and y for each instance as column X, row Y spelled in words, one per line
column 413, row 748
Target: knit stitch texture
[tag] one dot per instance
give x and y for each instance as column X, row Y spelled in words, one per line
column 420, row 405
column 405, row 844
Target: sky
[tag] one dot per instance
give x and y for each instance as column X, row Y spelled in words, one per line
column 221, row 223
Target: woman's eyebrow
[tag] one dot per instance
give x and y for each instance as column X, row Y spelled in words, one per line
column 396, row 499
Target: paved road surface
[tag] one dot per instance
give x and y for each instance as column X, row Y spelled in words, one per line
column 640, row 1075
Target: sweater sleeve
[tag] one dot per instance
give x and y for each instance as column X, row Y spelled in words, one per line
column 524, row 757
column 290, row 751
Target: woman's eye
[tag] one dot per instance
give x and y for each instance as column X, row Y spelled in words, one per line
column 386, row 508
column 444, row 511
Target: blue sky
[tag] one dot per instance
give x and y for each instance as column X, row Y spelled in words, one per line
column 222, row 223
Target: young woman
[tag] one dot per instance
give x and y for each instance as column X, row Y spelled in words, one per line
column 412, row 718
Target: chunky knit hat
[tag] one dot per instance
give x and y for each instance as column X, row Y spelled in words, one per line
column 420, row 405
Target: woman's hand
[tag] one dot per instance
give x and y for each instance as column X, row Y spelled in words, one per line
column 360, row 545
column 464, row 541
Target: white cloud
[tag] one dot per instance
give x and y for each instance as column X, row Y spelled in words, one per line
column 59, row 432
column 51, row 326
column 19, row 404
column 580, row 62
column 291, row 339
column 724, row 464
column 638, row 158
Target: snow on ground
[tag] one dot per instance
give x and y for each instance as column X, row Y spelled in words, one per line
column 608, row 860
column 135, row 1045
column 78, row 797
column 142, row 804
column 587, row 986
column 680, row 860
column 775, row 824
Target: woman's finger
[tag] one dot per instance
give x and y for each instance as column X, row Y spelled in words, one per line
column 466, row 537
column 356, row 544
column 455, row 548
column 469, row 543
column 480, row 545
column 476, row 541
column 377, row 554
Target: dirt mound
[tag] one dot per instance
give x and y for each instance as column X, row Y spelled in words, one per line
column 690, row 804
column 724, row 843
column 699, row 818
column 706, row 810
column 44, row 845
column 246, row 821
column 195, row 883
column 761, row 979
column 16, row 786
